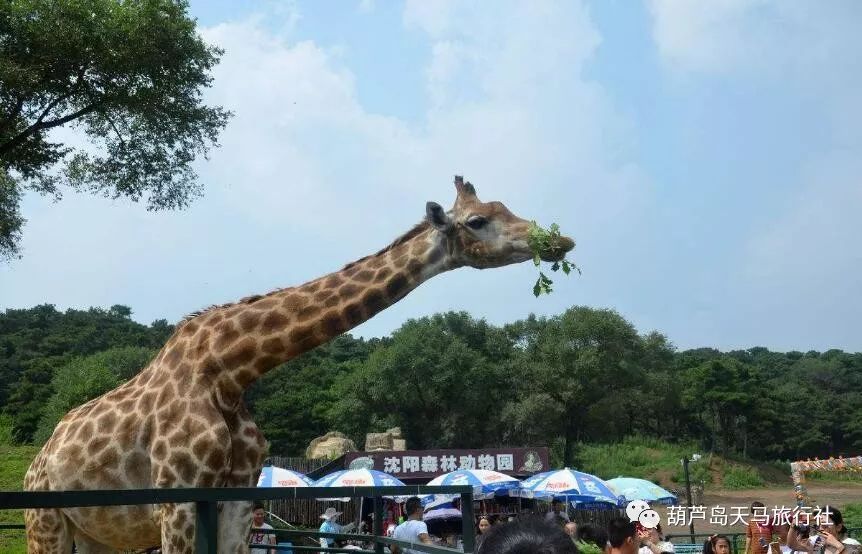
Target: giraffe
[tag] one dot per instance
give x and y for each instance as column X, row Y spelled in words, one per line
column 181, row 422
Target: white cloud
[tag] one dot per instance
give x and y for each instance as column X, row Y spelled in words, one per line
column 769, row 36
column 796, row 277
column 308, row 179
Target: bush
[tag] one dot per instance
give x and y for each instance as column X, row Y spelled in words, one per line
column 85, row 378
column 6, row 438
column 738, row 477
column 644, row 457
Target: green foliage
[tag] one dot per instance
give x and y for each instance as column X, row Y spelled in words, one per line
column 589, row 547
column 11, row 220
column 5, row 430
column 85, row 378
column 546, row 243
column 582, row 383
column 852, row 514
column 14, row 461
column 738, row 477
column 568, row 365
column 292, row 403
column 644, row 457
column 833, row 476
column 435, row 379
column 129, row 74
column 36, row 341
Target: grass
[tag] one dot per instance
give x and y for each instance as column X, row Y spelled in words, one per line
column 14, row 461
column 651, row 459
column 659, row 461
column 833, row 476
column 742, row 477
column 853, row 515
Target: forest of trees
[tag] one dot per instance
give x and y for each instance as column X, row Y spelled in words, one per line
column 450, row 380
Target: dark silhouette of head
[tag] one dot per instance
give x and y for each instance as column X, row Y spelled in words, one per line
column 528, row 536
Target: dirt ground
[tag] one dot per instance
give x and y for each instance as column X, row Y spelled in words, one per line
column 837, row 494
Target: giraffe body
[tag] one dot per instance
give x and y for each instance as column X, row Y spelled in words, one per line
column 181, row 421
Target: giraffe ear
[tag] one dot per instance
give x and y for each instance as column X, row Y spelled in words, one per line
column 436, row 216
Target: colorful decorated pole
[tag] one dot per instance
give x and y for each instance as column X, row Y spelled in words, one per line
column 799, row 468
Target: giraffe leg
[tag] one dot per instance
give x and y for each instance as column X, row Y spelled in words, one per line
column 49, row 531
column 234, row 522
column 178, row 529
column 86, row 545
column 248, row 452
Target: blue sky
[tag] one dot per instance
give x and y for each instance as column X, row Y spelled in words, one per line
column 706, row 157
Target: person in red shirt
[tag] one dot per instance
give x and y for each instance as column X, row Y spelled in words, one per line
column 758, row 534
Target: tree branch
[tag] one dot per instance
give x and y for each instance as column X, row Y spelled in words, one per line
column 40, row 124
column 119, row 135
column 13, row 114
column 35, row 128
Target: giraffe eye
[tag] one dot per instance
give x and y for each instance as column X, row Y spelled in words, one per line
column 476, row 222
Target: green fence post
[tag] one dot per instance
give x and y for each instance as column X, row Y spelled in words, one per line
column 378, row 523
column 468, row 531
column 206, row 528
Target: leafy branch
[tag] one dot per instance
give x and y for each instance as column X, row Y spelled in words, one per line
column 547, row 243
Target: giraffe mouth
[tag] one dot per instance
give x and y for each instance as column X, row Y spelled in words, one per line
column 557, row 251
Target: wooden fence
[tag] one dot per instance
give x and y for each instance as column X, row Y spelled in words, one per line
column 306, row 512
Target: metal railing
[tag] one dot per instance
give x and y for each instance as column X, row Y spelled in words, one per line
column 206, row 503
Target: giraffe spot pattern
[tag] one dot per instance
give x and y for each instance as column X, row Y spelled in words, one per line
column 207, row 346
column 353, row 314
column 333, row 281
column 364, row 276
column 396, row 287
column 242, row 353
column 374, row 301
column 272, row 345
column 348, row 291
column 274, row 322
column 248, row 321
column 226, row 337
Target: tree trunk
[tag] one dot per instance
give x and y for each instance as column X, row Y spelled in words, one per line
column 568, row 444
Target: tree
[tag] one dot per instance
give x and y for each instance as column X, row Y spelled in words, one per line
column 35, row 342
column 292, row 403
column 725, row 392
column 576, row 368
column 436, row 380
column 85, row 378
column 129, row 74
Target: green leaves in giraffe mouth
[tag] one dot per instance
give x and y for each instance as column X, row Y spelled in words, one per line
column 549, row 246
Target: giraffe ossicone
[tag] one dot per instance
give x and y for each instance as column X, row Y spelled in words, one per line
column 181, row 421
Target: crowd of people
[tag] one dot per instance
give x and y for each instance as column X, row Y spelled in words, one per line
column 555, row 533
column 823, row 532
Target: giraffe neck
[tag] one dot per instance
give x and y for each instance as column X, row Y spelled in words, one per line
column 233, row 345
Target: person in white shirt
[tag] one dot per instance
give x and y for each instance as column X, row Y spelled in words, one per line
column 412, row 530
column 827, row 535
column 258, row 536
column 652, row 542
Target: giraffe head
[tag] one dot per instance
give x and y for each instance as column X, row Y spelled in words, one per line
column 485, row 234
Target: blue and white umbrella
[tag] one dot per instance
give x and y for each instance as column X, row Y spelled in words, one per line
column 272, row 476
column 358, row 478
column 568, row 484
column 641, row 489
column 485, row 483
